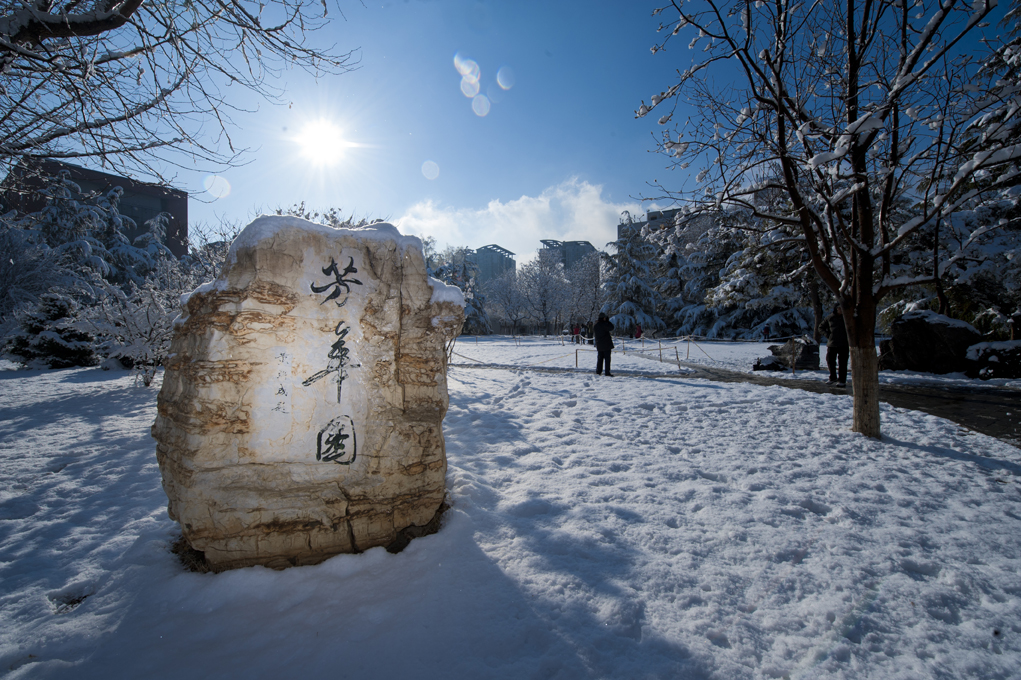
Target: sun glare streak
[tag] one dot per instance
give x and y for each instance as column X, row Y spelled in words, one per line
column 322, row 142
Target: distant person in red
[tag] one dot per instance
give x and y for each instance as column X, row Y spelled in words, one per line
column 638, row 330
column 604, row 344
column 576, row 334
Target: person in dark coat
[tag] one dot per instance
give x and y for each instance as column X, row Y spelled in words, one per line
column 837, row 350
column 604, row 344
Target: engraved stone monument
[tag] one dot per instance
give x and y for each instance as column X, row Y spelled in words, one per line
column 301, row 409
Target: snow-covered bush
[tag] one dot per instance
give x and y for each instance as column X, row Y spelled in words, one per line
column 134, row 325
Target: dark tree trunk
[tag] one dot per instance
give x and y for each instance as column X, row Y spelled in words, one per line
column 817, row 310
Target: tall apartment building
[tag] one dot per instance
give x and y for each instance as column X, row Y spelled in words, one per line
column 492, row 261
column 569, row 252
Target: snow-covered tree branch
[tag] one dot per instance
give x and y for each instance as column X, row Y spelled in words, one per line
column 139, row 84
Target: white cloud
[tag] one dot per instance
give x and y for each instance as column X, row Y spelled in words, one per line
column 571, row 211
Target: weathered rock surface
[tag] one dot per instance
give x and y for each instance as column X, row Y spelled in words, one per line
column 301, row 409
column 928, row 342
column 989, row 360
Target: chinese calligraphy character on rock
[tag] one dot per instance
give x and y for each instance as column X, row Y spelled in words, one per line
column 338, row 430
column 263, row 462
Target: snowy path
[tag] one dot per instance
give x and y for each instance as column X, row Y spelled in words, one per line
column 624, row 528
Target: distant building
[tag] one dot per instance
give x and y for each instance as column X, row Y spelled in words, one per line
column 141, row 201
column 661, row 219
column 569, row 252
column 656, row 219
column 492, row 261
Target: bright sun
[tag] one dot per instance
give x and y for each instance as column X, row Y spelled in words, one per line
column 322, row 142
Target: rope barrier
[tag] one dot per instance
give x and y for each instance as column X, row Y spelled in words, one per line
column 522, row 366
column 468, row 358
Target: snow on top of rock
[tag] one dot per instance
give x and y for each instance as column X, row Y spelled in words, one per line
column 975, row 351
column 443, row 292
column 216, row 284
column 268, row 226
column 934, row 318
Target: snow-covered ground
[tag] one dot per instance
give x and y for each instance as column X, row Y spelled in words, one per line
column 731, row 356
column 629, row 527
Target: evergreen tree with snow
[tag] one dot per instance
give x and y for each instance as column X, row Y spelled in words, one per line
column 631, row 297
column 459, row 270
column 50, row 335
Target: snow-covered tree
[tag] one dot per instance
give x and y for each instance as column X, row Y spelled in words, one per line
column 75, row 249
column 458, row 269
column 585, row 289
column 27, row 271
column 140, row 85
column 847, row 108
column 631, row 295
column 208, row 246
column 543, row 287
column 50, row 335
column 134, row 325
column 768, row 287
column 88, row 232
column 504, row 293
column 695, row 250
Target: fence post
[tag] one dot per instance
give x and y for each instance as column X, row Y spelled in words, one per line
column 576, row 358
column 678, row 355
column 661, row 351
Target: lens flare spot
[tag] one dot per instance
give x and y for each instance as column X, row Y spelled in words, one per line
column 322, row 142
column 494, row 93
column 480, row 105
column 216, row 186
column 469, row 88
column 466, row 67
column 470, row 75
column 505, row 77
column 430, row 170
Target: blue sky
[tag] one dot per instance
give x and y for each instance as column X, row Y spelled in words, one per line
column 558, row 155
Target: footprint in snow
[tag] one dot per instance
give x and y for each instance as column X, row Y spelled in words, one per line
column 711, row 476
column 815, row 506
